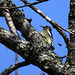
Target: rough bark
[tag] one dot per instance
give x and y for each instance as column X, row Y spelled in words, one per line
column 72, row 29
column 45, row 58
column 36, row 51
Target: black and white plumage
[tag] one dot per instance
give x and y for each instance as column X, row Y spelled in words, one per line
column 47, row 35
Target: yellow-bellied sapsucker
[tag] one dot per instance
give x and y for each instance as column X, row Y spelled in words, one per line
column 46, row 33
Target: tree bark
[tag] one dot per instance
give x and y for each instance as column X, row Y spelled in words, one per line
column 72, row 29
column 35, row 50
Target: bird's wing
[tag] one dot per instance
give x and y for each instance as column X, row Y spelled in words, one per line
column 49, row 32
column 51, row 36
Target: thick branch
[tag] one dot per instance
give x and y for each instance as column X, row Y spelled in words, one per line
column 71, row 27
column 28, row 32
column 45, row 58
column 54, row 24
column 44, row 16
column 12, row 29
column 10, row 22
column 14, row 67
column 6, row 36
column 37, row 52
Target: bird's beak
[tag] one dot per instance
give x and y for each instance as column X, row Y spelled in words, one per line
column 42, row 26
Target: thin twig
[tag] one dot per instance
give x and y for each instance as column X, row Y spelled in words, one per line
column 64, row 56
column 42, row 73
column 16, row 59
column 23, row 5
column 64, row 28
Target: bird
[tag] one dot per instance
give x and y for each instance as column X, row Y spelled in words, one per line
column 46, row 33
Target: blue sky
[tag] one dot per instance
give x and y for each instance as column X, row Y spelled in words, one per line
column 58, row 11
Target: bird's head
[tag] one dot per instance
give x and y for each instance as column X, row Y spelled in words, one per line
column 46, row 27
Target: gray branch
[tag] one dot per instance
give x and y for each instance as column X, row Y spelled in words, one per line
column 54, row 24
column 36, row 51
column 23, row 5
column 14, row 67
column 45, row 58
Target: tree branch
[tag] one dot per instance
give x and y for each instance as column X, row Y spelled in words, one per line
column 23, row 25
column 54, row 24
column 37, row 52
column 44, row 16
column 20, row 20
column 16, row 59
column 45, row 58
column 10, row 22
column 23, row 5
column 14, row 67
column 12, row 29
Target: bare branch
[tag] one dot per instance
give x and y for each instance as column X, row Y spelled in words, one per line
column 54, row 24
column 12, row 28
column 40, row 55
column 30, row 52
column 44, row 16
column 23, row 5
column 10, row 22
column 16, row 59
column 64, row 56
column 14, row 67
column 64, row 28
column 27, row 30
column 42, row 73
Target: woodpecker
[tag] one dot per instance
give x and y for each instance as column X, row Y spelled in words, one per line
column 46, row 33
